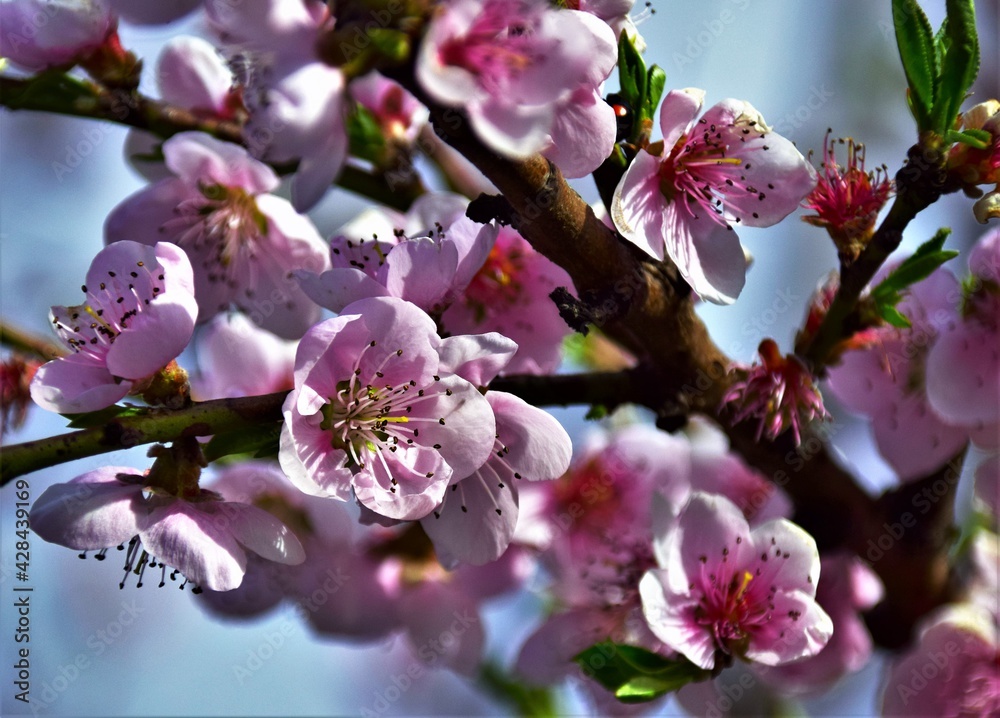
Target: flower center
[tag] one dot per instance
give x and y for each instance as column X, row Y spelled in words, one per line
column 497, row 47
column 223, row 225
column 497, row 281
column 726, row 609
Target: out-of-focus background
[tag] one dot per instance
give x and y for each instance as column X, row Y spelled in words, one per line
column 97, row 650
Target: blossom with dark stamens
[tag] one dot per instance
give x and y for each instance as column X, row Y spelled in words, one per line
column 727, row 590
column 377, row 412
column 138, row 315
column 779, row 392
column 680, row 197
column 201, row 535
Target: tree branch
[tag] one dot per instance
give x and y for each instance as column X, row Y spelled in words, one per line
column 154, row 425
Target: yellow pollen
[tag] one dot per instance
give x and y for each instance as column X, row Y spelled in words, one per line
column 747, row 578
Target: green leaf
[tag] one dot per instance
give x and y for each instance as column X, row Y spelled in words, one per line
column 390, row 43
column 51, row 91
column 636, row 675
column 915, row 41
column 980, row 139
column 893, row 316
column 244, row 441
column 888, row 293
column 656, row 80
column 928, row 257
column 103, row 416
column 365, row 135
column 959, row 64
column 631, row 73
column 597, row 411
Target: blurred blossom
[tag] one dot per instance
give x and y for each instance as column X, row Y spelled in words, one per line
column 243, row 241
column 41, row 34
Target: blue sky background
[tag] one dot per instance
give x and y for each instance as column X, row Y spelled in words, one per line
column 805, row 66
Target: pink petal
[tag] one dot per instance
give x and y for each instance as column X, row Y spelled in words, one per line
column 260, row 532
column 76, row 384
column 707, row 253
column 444, row 627
column 199, row 158
column 678, row 111
column 671, row 619
column 421, row 477
column 477, row 358
column 93, row 511
column 538, row 447
column 784, row 639
column 583, row 133
column 476, row 523
column 420, row 271
column 638, row 205
column 196, row 543
column 191, row 73
column 912, row 438
column 308, row 460
column 971, row 394
column 467, row 436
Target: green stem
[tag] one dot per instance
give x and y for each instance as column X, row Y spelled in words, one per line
column 920, row 183
column 155, row 425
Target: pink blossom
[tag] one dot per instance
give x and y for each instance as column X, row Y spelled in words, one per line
column 37, row 35
column 138, row 315
column 243, row 242
column 510, row 294
column 376, row 412
column 476, row 520
column 951, row 672
column 514, row 67
column 297, row 102
column 426, row 257
column 202, row 536
column 846, row 588
column 727, row 167
column 236, row 358
column 778, row 392
column 399, row 114
column 726, row 589
column 885, row 380
column 191, row 73
column 323, row 528
column 971, row 397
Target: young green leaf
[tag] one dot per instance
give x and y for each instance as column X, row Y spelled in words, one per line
column 656, row 80
column 636, row 675
column 631, row 72
column 959, row 64
column 103, row 416
column 244, row 441
column 915, row 41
